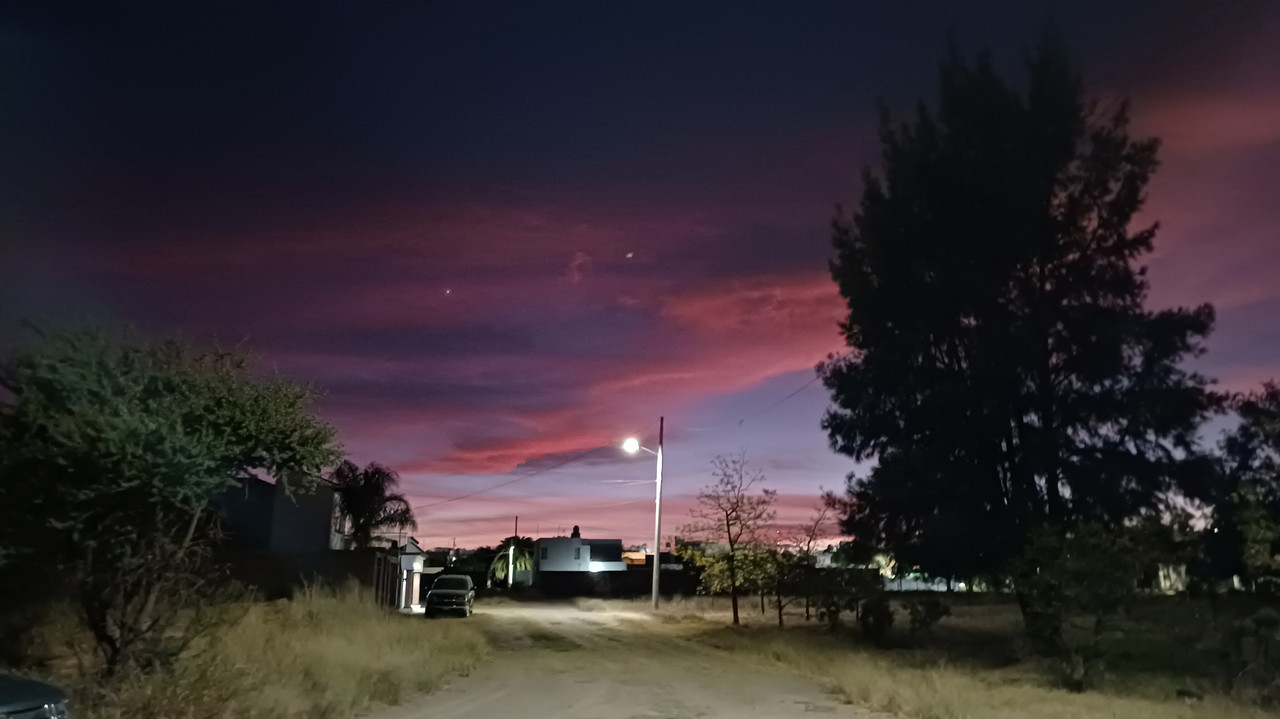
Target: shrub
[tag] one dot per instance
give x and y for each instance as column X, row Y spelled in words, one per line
column 1251, row 657
column 925, row 613
column 322, row 654
column 842, row 590
column 876, row 618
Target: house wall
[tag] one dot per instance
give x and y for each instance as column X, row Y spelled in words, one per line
column 572, row 554
column 1171, row 578
column 302, row 523
column 561, row 554
column 246, row 513
column 260, row 516
column 277, row 576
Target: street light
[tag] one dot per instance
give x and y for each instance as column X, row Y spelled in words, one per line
column 631, row 446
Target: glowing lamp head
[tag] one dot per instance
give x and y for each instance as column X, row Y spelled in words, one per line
column 631, row 445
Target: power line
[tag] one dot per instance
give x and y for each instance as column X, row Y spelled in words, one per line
column 508, row 483
column 795, row 392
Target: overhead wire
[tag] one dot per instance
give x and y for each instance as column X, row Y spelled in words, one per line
column 793, row 393
column 583, row 454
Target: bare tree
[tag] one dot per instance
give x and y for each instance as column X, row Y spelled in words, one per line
column 728, row 512
column 805, row 541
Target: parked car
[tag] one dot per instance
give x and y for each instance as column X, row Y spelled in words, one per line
column 30, row 699
column 451, row 593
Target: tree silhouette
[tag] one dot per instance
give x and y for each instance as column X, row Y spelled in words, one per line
column 111, row 448
column 366, row 499
column 1001, row 365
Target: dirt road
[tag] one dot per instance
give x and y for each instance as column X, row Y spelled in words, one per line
column 557, row 661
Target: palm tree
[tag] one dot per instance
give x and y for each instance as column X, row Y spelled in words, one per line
column 523, row 556
column 366, row 499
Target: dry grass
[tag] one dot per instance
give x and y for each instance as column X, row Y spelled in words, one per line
column 322, row 654
column 973, row 667
column 904, row 686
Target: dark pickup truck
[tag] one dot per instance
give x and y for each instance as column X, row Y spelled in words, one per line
column 451, row 593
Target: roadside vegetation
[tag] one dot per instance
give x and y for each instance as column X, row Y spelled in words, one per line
column 321, row 654
column 976, row 663
column 1028, row 423
column 113, row 451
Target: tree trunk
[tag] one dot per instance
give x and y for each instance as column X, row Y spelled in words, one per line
column 733, row 586
column 778, row 598
column 153, row 593
column 806, row 608
column 762, row 602
column 1043, row 626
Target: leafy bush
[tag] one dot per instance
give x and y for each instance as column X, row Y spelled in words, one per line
column 1251, row 654
column 843, row 590
column 876, row 618
column 925, row 613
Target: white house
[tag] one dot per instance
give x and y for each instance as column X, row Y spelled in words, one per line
column 575, row 566
column 401, row 576
column 575, row 554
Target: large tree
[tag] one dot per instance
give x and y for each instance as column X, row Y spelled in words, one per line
column 368, row 501
column 1002, row 368
column 729, row 512
column 1244, row 537
column 110, row 451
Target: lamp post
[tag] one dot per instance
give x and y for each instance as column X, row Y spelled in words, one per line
column 631, row 446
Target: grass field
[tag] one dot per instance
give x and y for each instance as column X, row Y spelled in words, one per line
column 323, row 654
column 974, row 665
column 337, row 655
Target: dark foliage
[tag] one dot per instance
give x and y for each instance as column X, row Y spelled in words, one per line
column 1002, row 367
column 925, row 613
column 1244, row 537
column 110, row 450
column 875, row 618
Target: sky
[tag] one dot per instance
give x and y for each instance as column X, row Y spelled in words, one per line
column 502, row 237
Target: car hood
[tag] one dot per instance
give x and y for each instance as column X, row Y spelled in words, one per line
column 448, row 592
column 17, row 694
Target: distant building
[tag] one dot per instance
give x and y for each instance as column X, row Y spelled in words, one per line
column 573, row 565
column 645, row 559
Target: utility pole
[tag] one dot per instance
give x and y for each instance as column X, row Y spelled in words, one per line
column 511, row 556
column 657, row 521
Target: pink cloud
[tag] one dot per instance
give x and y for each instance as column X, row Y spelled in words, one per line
column 732, row 337
column 1193, row 124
